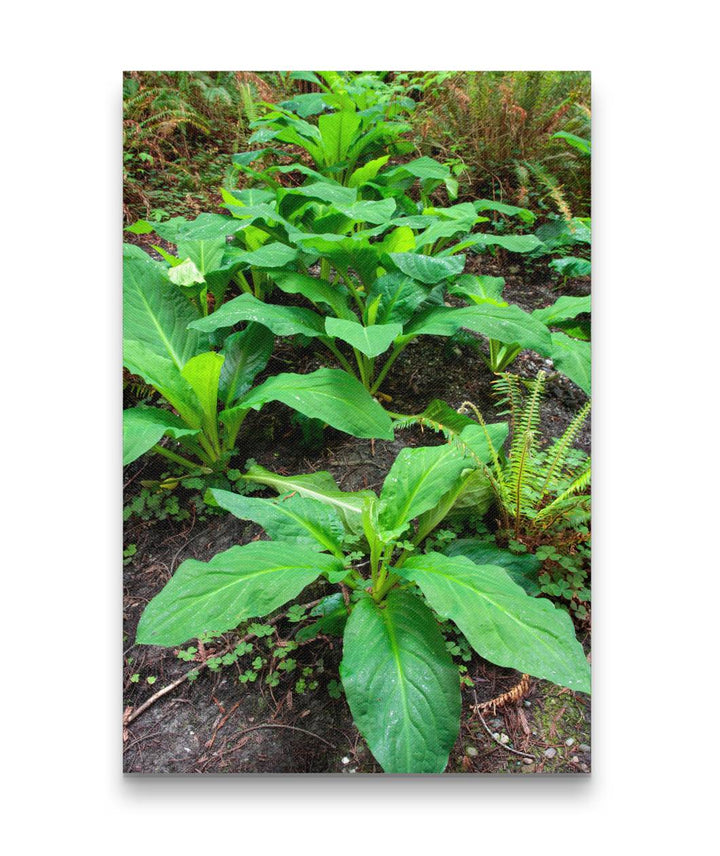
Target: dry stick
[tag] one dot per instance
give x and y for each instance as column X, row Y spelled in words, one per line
column 492, row 736
column 289, row 727
column 130, row 717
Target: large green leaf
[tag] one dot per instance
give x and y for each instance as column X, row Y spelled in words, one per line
column 290, row 519
column 563, row 309
column 369, row 211
column 371, row 340
column 240, row 583
column 480, row 288
column 428, row 269
column 523, row 568
column 143, row 427
column 320, row 486
column 476, row 437
column 573, row 358
column 401, row 684
column 510, row 210
column 202, row 372
column 508, row 324
column 417, row 480
column 282, row 320
column 316, row 291
column 272, row 255
column 157, row 313
column 513, row 243
column 164, row 375
column 338, row 132
column 246, row 354
column 368, row 171
column 396, row 296
column 331, row 395
column 500, row 621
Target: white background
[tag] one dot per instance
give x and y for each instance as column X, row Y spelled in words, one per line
column 655, row 323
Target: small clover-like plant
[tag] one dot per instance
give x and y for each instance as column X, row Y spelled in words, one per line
column 398, row 675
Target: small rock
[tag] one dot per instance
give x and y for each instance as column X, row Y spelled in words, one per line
column 527, row 703
column 550, row 753
column 570, row 741
column 346, row 760
column 496, row 735
column 471, row 751
column 527, row 761
column 575, row 759
column 504, row 738
column 583, row 747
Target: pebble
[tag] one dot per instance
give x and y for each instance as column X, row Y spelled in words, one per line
column 471, row 751
column 527, row 703
column 575, row 759
column 550, row 753
column 583, row 747
column 504, row 738
column 527, row 761
column 346, row 760
column 570, row 741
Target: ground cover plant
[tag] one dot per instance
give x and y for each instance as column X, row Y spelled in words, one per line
column 342, row 271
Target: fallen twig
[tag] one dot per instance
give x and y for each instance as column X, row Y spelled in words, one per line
column 289, row 727
column 495, row 739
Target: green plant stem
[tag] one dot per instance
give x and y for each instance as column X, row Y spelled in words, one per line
column 178, row 459
column 353, row 290
column 344, row 362
column 397, row 350
column 384, row 588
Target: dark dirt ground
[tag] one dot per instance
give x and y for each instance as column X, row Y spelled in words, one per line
column 217, row 725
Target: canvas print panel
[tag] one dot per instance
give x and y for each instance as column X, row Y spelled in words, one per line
column 356, row 424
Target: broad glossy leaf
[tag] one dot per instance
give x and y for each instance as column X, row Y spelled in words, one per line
column 505, row 323
column 399, row 296
column 282, row 320
column 292, row 518
column 368, row 171
column 573, row 358
column 372, row 340
column 563, row 309
column 320, row 486
column 476, row 439
column 273, row 255
column 480, row 288
column 417, row 480
column 240, row 583
column 333, row 618
column 401, row 684
column 571, row 266
column 513, row 243
column 511, row 210
column 501, row 622
column 331, row 395
column 370, row 211
column 327, row 191
column 246, row 354
column 338, row 132
column 428, row 269
column 185, row 274
column 143, row 427
column 522, row 569
column 202, row 372
column 206, row 254
column 400, row 240
column 316, row 291
column 162, row 374
column 582, row 145
column 157, row 313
